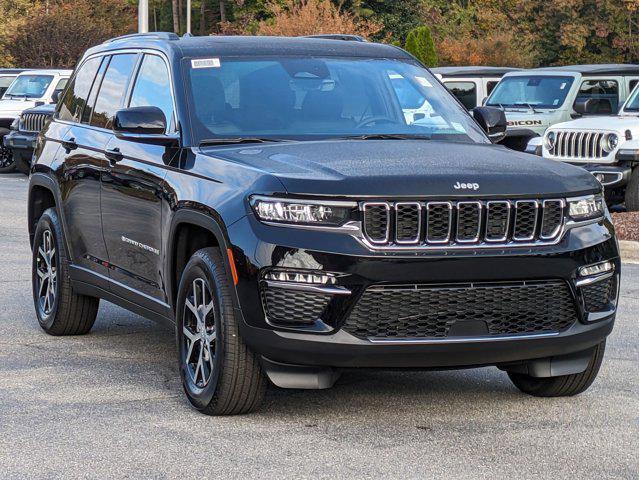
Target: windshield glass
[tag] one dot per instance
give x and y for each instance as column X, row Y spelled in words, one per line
column 30, row 86
column 632, row 105
column 536, row 91
column 312, row 98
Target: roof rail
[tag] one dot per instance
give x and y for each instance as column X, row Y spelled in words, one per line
column 338, row 36
column 150, row 35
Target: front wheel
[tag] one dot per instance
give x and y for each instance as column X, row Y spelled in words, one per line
column 220, row 375
column 632, row 192
column 7, row 164
column 564, row 385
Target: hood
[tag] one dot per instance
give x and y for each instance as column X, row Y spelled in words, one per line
column 47, row 109
column 396, row 168
column 15, row 107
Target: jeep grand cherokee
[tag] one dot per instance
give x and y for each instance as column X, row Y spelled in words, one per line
column 271, row 199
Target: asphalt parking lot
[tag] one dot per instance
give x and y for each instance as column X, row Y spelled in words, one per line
column 109, row 405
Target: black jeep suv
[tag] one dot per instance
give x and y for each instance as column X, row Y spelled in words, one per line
column 299, row 206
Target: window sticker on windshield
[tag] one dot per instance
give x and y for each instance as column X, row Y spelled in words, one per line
column 205, row 63
column 423, row 82
column 555, row 101
column 562, row 86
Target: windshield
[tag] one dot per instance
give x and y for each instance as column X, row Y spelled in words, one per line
column 533, row 91
column 632, row 105
column 317, row 98
column 29, row 86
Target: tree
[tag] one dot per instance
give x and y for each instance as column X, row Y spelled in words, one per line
column 420, row 43
column 58, row 35
column 312, row 17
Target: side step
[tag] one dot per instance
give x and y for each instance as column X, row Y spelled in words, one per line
column 302, row 377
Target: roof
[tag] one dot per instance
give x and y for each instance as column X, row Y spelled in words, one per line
column 11, row 71
column 473, row 71
column 42, row 71
column 253, row 46
column 596, row 69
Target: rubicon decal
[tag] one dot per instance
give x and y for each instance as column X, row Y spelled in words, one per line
column 525, row 123
column 140, row 245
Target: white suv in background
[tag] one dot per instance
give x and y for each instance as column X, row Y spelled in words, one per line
column 29, row 89
column 608, row 149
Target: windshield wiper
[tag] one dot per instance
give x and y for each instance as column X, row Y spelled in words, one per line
column 238, row 140
column 387, row 136
column 526, row 104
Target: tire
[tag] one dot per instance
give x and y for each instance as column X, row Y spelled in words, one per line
column 632, row 192
column 562, row 386
column 7, row 164
column 230, row 380
column 59, row 309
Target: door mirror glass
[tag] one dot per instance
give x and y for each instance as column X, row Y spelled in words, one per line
column 493, row 121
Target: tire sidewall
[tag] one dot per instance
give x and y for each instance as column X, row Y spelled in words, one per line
column 46, row 222
column 198, row 267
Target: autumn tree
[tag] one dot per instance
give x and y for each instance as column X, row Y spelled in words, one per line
column 312, row 17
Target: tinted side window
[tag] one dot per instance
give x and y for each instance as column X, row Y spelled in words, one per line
column 75, row 99
column 113, row 89
column 490, row 86
column 61, row 84
column 88, row 110
column 632, row 84
column 153, row 87
column 606, row 92
column 466, row 92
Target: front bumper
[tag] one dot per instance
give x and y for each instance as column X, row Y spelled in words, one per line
column 259, row 248
column 610, row 176
column 22, row 146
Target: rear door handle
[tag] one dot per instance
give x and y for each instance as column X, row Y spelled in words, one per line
column 114, row 155
column 69, row 144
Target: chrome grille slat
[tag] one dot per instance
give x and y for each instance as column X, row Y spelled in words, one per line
column 578, row 145
column 32, row 122
column 463, row 223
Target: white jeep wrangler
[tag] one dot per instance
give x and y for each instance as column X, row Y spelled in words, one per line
column 607, row 147
column 540, row 98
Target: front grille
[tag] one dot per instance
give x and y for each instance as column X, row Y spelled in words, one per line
column 293, row 307
column 462, row 223
column 33, row 122
column 441, row 311
column 598, row 296
column 576, row 144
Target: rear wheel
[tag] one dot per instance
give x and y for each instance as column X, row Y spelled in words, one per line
column 60, row 310
column 632, row 192
column 220, row 375
column 562, row 386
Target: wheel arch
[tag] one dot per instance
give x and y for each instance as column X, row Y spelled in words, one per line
column 43, row 194
column 190, row 231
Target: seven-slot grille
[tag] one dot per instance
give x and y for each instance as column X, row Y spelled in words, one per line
column 33, row 122
column 575, row 144
column 459, row 223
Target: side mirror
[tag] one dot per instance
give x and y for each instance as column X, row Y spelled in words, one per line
column 143, row 125
column 55, row 97
column 493, row 121
column 585, row 106
column 535, row 146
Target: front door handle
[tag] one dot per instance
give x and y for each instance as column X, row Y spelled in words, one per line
column 114, row 155
column 69, row 144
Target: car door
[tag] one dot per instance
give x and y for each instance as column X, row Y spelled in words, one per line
column 133, row 198
column 82, row 163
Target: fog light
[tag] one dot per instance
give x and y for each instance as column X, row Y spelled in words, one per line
column 596, row 269
column 313, row 278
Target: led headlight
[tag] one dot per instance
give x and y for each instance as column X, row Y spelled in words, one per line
column 586, row 208
column 610, row 142
column 550, row 140
column 304, row 212
column 596, row 269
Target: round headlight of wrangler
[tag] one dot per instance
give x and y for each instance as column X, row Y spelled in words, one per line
column 550, row 140
column 610, row 142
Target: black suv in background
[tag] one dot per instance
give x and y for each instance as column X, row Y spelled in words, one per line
column 22, row 137
column 272, row 199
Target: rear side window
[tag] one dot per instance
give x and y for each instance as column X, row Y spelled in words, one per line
column 75, row 100
column 490, row 86
column 606, row 92
column 113, row 90
column 153, row 87
column 61, row 84
column 466, row 92
column 632, row 84
column 88, row 110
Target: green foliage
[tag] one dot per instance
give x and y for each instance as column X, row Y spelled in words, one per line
column 420, row 43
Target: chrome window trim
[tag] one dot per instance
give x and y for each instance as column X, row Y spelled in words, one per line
column 419, row 223
column 386, row 205
column 475, row 239
column 508, row 204
column 530, row 237
column 450, row 222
